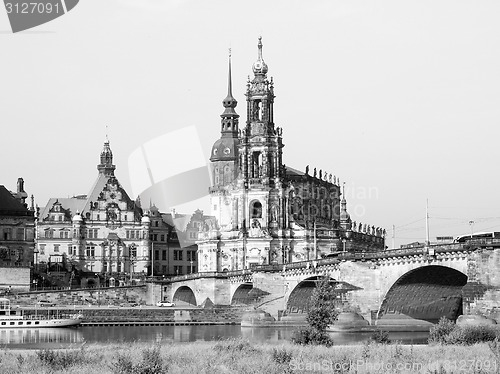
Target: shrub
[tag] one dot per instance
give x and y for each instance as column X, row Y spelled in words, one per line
column 469, row 335
column 310, row 335
column 58, row 360
column 123, row 365
column 447, row 332
column 441, row 330
column 282, row 356
column 151, row 363
column 234, row 345
column 381, row 337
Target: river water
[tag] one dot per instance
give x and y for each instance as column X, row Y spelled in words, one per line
column 74, row 337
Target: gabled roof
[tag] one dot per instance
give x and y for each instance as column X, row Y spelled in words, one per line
column 9, row 205
column 81, row 203
column 72, row 204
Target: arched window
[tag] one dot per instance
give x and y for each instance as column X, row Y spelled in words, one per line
column 255, row 209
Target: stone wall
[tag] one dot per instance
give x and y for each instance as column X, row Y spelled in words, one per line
column 137, row 314
column 15, row 278
column 92, row 296
column 482, row 291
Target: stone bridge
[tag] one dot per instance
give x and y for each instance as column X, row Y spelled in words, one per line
column 424, row 283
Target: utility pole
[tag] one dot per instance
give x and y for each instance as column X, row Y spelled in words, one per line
column 427, row 241
column 315, row 244
column 393, row 236
column 152, row 257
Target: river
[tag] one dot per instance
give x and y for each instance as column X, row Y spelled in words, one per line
column 74, row 337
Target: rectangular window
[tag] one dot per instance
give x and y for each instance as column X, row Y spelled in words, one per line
column 41, row 248
column 162, row 238
column 20, row 234
column 157, row 255
column 164, row 255
column 92, row 233
column 7, row 234
column 56, row 248
column 90, row 251
column 70, row 250
column 155, row 237
column 164, row 269
column 132, row 234
column 128, row 234
column 178, row 270
column 61, row 234
column 178, row 255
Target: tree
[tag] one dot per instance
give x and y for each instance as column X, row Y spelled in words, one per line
column 322, row 312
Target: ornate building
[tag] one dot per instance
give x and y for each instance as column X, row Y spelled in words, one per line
column 17, row 227
column 103, row 232
column 267, row 212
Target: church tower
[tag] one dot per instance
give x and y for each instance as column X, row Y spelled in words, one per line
column 224, row 159
column 106, row 166
column 260, row 152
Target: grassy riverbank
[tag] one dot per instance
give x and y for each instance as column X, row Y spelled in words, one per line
column 240, row 356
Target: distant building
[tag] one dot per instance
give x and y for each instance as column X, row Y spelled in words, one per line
column 104, row 231
column 267, row 212
column 17, row 232
column 183, row 234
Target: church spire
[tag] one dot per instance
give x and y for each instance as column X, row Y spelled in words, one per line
column 229, row 101
column 106, row 166
column 259, row 66
column 229, row 117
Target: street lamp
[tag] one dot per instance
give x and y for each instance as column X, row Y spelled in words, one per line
column 191, row 262
column 471, row 223
column 343, row 244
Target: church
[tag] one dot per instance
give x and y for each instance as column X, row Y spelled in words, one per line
column 267, row 212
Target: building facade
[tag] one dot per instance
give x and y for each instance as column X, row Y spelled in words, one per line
column 102, row 232
column 17, row 234
column 266, row 212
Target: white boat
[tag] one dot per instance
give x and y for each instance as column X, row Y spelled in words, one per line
column 16, row 319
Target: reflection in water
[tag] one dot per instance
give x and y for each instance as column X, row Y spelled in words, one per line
column 42, row 337
column 74, row 337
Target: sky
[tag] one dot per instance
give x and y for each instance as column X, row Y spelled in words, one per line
column 400, row 100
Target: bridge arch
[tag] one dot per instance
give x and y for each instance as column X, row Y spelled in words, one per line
column 300, row 297
column 184, row 295
column 247, row 294
column 426, row 293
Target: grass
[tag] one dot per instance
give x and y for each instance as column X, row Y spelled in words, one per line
column 241, row 356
